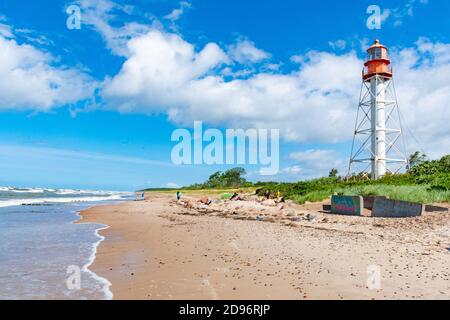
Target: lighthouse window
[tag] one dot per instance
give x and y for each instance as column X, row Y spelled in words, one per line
column 378, row 53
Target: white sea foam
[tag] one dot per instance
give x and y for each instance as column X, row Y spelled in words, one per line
column 90, row 192
column 106, row 284
column 22, row 190
column 59, row 191
column 35, row 201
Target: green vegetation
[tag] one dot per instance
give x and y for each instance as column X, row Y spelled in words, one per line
column 425, row 181
column 418, row 193
column 229, row 179
column 226, row 195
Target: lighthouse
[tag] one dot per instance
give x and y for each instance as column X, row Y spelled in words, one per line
column 378, row 134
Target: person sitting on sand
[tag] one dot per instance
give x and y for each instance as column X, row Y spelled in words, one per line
column 205, row 200
column 178, row 195
column 235, row 197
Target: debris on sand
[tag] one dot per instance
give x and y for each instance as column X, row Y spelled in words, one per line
column 205, row 200
column 251, row 207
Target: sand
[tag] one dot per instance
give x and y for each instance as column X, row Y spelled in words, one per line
column 158, row 249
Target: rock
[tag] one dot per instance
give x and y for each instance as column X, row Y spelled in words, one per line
column 269, row 203
column 269, row 219
column 205, row 200
column 432, row 208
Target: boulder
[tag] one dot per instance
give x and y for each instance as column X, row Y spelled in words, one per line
column 269, row 203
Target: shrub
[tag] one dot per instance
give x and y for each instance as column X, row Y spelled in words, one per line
column 441, row 182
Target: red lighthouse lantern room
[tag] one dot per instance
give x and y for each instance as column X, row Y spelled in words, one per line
column 378, row 62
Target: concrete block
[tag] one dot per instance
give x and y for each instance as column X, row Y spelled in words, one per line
column 431, row 208
column 369, row 200
column 387, row 208
column 347, row 205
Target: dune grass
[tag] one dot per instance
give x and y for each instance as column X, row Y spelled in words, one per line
column 419, row 193
column 204, row 191
column 313, row 196
column 412, row 193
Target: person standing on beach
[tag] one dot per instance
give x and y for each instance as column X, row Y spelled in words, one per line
column 178, row 195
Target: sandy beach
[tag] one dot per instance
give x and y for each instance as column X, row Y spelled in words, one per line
column 160, row 249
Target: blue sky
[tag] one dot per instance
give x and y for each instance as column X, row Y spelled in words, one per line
column 296, row 63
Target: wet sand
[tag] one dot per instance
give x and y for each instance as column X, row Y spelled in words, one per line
column 158, row 249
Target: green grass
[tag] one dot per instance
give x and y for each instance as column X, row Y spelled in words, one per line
column 205, row 191
column 420, row 193
column 226, row 195
column 314, row 196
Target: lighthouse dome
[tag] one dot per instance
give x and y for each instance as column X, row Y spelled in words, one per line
column 377, row 62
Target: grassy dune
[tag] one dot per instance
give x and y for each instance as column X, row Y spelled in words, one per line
column 419, row 193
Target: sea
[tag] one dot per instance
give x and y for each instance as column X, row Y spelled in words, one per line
column 44, row 254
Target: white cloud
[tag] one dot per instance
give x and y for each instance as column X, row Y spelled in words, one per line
column 166, row 73
column 312, row 156
column 308, row 165
column 297, row 59
column 172, row 185
column 160, row 68
column 6, row 31
column 29, row 79
column 272, row 66
column 422, row 78
column 338, row 44
column 101, row 14
column 400, row 13
column 353, row 42
column 288, row 174
column 244, row 52
column 177, row 13
column 315, row 163
column 48, row 153
column 385, row 15
column 315, row 103
column 294, row 170
column 163, row 73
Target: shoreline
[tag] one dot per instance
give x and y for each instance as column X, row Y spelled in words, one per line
column 157, row 249
column 86, row 267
